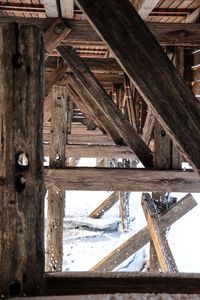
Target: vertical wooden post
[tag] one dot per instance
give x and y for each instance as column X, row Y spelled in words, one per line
column 124, row 209
column 56, row 196
column 21, row 160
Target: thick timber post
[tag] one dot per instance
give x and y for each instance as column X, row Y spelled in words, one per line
column 56, row 196
column 21, row 161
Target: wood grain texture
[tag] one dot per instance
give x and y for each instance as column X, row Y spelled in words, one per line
column 144, row 7
column 173, row 103
column 73, row 283
column 67, row 9
column 104, row 206
column 56, row 196
column 106, row 179
column 142, row 237
column 51, row 8
column 106, row 107
column 171, row 34
column 57, row 74
column 124, row 296
column 88, row 105
column 54, row 35
column 163, row 251
column 21, row 163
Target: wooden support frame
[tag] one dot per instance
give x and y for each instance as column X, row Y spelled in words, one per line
column 21, row 165
column 104, row 206
column 104, row 106
column 56, row 196
column 169, row 87
column 51, row 8
column 123, row 179
column 67, row 9
column 142, row 237
column 54, row 35
column 164, row 254
column 144, row 7
column 167, row 34
column 85, row 101
column 84, row 283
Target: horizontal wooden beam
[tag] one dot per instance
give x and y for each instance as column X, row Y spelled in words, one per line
column 179, row 34
column 96, row 65
column 142, row 58
column 121, row 179
column 84, row 139
column 104, row 151
column 71, row 283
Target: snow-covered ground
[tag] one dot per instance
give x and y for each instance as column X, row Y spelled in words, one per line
column 83, row 248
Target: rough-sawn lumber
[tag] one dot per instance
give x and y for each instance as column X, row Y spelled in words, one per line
column 103, row 106
column 143, row 59
column 123, row 179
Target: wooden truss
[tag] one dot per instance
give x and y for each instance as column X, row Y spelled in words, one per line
column 131, row 102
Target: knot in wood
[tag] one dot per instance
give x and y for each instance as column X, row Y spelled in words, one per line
column 59, row 29
column 183, row 33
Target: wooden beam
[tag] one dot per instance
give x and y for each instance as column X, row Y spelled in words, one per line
column 158, row 237
column 167, row 34
column 54, row 35
column 142, row 63
column 144, row 7
column 142, row 237
column 92, row 109
column 57, row 74
column 21, row 164
column 125, row 296
column 148, row 127
column 51, row 8
column 106, row 179
column 193, row 17
column 104, row 151
column 56, row 196
column 103, row 106
column 67, row 9
column 73, row 283
column 104, row 206
column 84, row 139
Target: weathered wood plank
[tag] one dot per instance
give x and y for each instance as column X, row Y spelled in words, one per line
column 102, row 105
column 106, row 179
column 164, row 254
column 148, row 127
column 73, row 283
column 181, row 113
column 56, row 196
column 104, row 206
column 85, row 139
column 54, row 35
column 67, row 9
column 58, row 127
column 124, row 210
column 21, row 161
column 57, row 74
column 85, row 101
column 125, row 296
column 144, row 7
column 104, row 151
column 179, row 34
column 193, row 17
column 142, row 237
column 51, row 8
